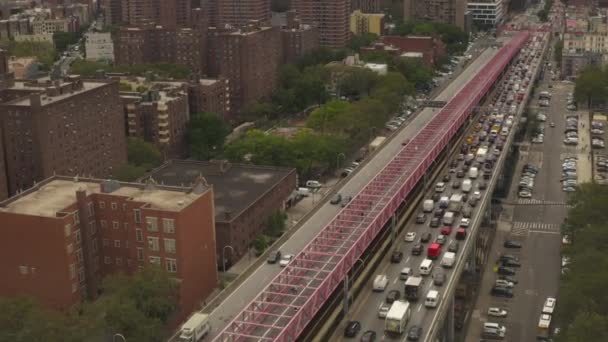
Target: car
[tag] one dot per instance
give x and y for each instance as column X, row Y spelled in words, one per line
column 345, row 201
column 503, row 283
column 396, row 257
column 336, row 199
column 440, row 187
column 456, row 184
column 545, row 321
column 435, row 222
column 274, row 257
column 447, row 178
column 524, row 194
column 507, row 257
column 549, row 305
column 417, row 249
column 383, row 310
column 512, row 244
column 352, row 329
column 508, row 278
column 473, row 201
column 285, row 260
column 497, row 312
column 426, row 237
column 392, row 296
column 482, row 185
column 410, row 236
column 467, row 212
column 439, row 212
column 405, row 142
column 439, row 279
column 510, row 263
column 505, row 271
column 498, row 291
column 368, row 336
column 421, row 218
column 460, row 174
column 465, row 222
column 441, row 239
column 446, row 230
column 414, row 333
column 453, row 246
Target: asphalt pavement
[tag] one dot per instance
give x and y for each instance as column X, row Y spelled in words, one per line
column 250, row 287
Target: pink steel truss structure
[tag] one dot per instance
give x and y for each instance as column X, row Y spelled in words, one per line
column 284, row 308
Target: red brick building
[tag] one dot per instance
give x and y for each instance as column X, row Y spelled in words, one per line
column 297, row 38
column 248, row 58
column 332, row 17
column 168, row 13
column 210, row 95
column 431, row 48
column 60, row 238
column 70, row 127
column 240, row 13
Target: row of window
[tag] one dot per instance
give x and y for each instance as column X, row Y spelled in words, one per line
column 170, row 263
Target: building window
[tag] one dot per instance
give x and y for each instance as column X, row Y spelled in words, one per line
column 169, row 226
column 107, row 260
column 95, row 263
column 114, row 206
column 170, row 245
column 117, row 243
column 91, row 209
column 103, row 223
column 67, row 229
column 137, row 214
column 153, row 243
column 81, row 275
column 77, row 236
column 94, row 245
column 139, row 235
column 119, row 261
column 115, row 224
column 74, row 287
column 125, row 226
column 126, row 243
column 102, row 205
column 152, row 224
column 23, row 270
column 76, row 218
column 69, row 248
column 124, row 207
column 92, row 228
column 171, row 265
column 72, row 271
column 140, row 253
column 79, row 255
column 155, row 260
column 105, row 242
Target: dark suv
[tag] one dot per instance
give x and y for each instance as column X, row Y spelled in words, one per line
column 396, row 257
column 352, row 329
column 499, row 291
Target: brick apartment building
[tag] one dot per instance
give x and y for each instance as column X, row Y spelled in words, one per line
column 240, row 13
column 157, row 44
column 366, row 6
column 332, row 17
column 168, row 13
column 431, row 48
column 157, row 112
column 248, row 58
column 63, row 236
column 296, row 38
column 69, row 127
column 245, row 196
column 210, row 95
column 445, row 11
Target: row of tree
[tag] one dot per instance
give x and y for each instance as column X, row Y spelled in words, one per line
column 582, row 312
column 138, row 307
column 591, row 86
column 162, row 70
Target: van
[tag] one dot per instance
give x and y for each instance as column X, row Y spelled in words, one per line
column 444, row 201
column 473, row 173
column 304, row 192
column 313, row 184
column 448, row 259
column 405, row 273
column 504, row 131
column 493, row 330
column 448, row 218
column 428, row 206
column 466, row 185
column 426, row 267
column 432, row 299
column 380, row 282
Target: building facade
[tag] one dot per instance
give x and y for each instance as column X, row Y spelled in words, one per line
column 240, row 13
column 331, row 17
column 168, row 13
column 296, row 38
column 487, row 13
column 69, row 127
column 210, row 95
column 445, row 11
column 361, row 23
column 431, row 48
column 99, row 46
column 50, row 26
column 366, row 6
column 62, row 237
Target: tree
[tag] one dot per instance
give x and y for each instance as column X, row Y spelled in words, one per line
column 275, row 226
column 415, row 71
column 129, row 172
column 358, row 41
column 332, row 117
column 206, row 135
column 322, row 55
column 261, row 149
column 63, row 39
column 260, row 243
column 557, row 52
column 358, row 82
column 44, row 52
column 143, row 153
column 591, row 86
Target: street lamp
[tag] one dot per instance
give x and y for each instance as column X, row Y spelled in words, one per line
column 224, row 255
column 119, row 336
column 338, row 159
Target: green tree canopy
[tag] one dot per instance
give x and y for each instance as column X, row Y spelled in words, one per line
column 206, row 135
column 358, row 41
column 357, row 82
column 163, row 70
column 44, row 52
column 143, row 153
column 63, row 39
column 332, row 117
column 591, row 85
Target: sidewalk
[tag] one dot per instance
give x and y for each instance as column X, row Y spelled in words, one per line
column 584, row 167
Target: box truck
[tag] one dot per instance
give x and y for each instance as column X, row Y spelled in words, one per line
column 195, row 328
column 397, row 318
column 448, row 260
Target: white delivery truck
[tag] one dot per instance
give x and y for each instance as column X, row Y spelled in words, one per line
column 380, row 282
column 473, row 173
column 195, row 328
column 448, row 259
column 397, row 317
column 448, row 218
column 467, row 184
column 481, row 155
column 428, row 206
column 376, row 143
column 455, row 203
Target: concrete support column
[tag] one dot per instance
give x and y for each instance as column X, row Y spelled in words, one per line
column 393, row 227
column 346, row 295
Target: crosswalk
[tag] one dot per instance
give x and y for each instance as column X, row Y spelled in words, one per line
column 532, row 201
column 522, row 228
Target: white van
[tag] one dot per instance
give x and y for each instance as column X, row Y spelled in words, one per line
column 473, row 173
column 426, row 267
column 448, row 260
column 405, row 273
column 467, row 184
column 380, row 282
column 428, row 206
column 313, row 184
column 448, row 218
column 494, row 330
column 432, row 299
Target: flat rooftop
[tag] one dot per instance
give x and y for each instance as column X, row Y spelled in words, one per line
column 46, row 99
column 235, row 186
column 57, row 194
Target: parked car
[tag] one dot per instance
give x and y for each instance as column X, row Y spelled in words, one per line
column 336, row 199
column 352, row 329
column 501, row 292
column 274, row 257
column 506, row 271
column 497, row 312
column 512, row 244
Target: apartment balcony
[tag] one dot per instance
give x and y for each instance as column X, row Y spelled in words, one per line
column 164, row 140
column 163, row 124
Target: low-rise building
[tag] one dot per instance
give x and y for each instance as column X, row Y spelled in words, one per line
column 432, row 48
column 573, row 62
column 489, row 13
column 361, row 23
column 64, row 235
column 24, row 67
column 99, row 46
column 245, row 197
column 50, row 26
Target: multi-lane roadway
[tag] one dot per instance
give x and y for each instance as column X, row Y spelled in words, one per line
column 255, row 283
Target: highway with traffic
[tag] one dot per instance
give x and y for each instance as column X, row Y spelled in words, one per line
column 371, row 306
column 250, row 287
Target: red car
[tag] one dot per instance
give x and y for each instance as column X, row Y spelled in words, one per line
column 446, row 230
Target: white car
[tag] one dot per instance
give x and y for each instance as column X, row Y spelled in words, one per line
column 285, row 260
column 383, row 310
column 504, row 283
column 410, row 236
column 465, row 222
column 525, row 194
column 549, row 306
column 497, row 312
column 545, row 321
